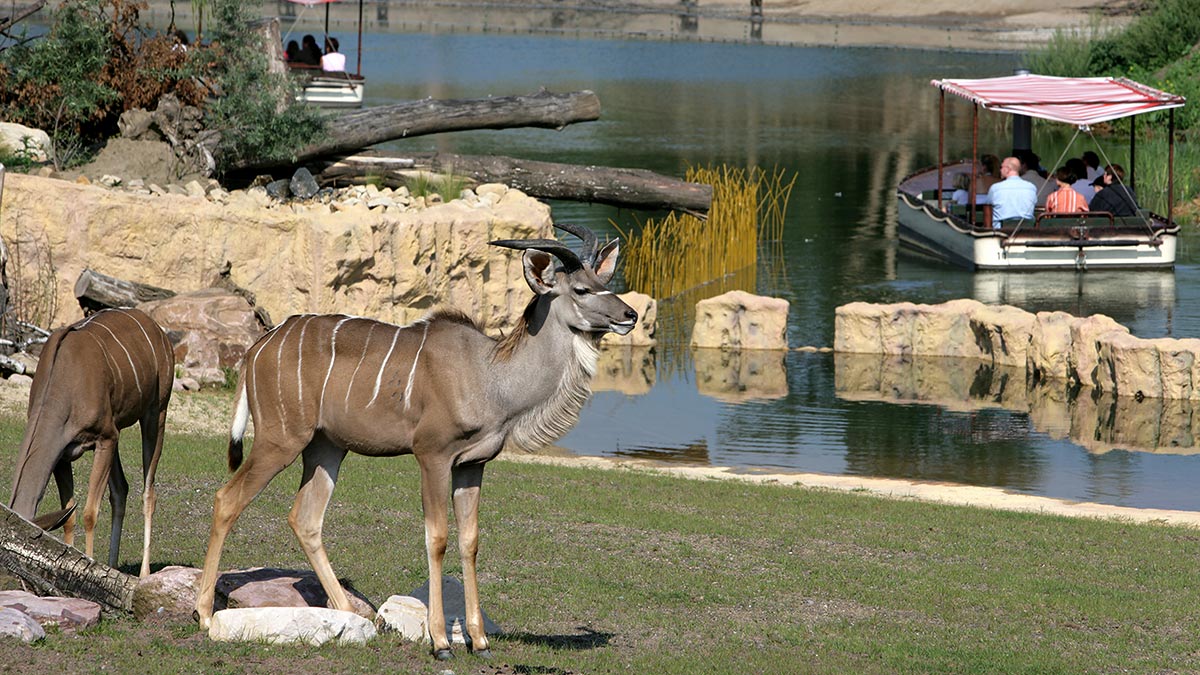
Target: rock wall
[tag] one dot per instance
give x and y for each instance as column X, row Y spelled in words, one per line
column 1093, row 351
column 378, row 262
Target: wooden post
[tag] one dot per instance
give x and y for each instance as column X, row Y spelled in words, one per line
column 1170, row 165
column 974, row 158
column 941, row 142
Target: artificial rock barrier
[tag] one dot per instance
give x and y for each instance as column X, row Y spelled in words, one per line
column 1093, row 351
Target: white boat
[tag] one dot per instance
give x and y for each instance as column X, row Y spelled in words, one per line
column 931, row 223
column 330, row 89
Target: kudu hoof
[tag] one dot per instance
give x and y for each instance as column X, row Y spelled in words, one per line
column 483, row 653
column 442, row 654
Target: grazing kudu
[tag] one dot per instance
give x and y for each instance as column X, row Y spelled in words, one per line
column 94, row 378
column 439, row 389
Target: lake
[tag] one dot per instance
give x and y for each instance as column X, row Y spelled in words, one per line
column 850, row 123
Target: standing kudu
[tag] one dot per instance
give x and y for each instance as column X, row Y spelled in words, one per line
column 321, row 386
column 94, row 378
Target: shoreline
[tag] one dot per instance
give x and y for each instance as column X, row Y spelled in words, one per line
column 986, row 26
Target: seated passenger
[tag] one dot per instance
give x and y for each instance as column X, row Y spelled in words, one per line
column 292, row 52
column 1113, row 195
column 310, row 53
column 989, row 175
column 1082, row 184
column 333, row 61
column 1011, row 197
column 962, row 183
column 1092, row 161
column 1066, row 199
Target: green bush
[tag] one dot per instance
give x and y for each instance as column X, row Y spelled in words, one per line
column 256, row 112
column 1154, row 39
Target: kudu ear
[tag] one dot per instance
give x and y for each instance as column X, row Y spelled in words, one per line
column 606, row 261
column 539, row 270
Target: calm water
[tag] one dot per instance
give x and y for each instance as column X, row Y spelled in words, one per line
column 850, row 123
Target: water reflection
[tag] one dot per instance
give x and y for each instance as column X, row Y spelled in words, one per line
column 1100, row 423
column 740, row 376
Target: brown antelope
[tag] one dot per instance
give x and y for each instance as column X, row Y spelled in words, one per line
column 318, row 387
column 94, row 378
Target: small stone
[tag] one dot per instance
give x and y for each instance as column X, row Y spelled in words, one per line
column 83, row 180
column 63, row 612
column 18, row 380
column 136, row 183
column 279, row 189
column 194, row 189
column 174, row 189
column 155, row 189
column 303, row 185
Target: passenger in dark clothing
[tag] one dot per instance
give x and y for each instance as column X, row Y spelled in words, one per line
column 1113, row 195
column 310, row 52
column 292, row 53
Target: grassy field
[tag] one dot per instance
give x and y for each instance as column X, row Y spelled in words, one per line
column 592, row 571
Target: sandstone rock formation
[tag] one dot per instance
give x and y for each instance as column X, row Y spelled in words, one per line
column 1095, row 351
column 383, row 261
column 740, row 320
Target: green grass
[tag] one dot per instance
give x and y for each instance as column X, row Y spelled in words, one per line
column 592, row 571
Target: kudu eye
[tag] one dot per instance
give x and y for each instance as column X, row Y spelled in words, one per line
column 580, row 290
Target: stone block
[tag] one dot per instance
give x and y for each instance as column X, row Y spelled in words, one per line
column 642, row 334
column 1049, row 355
column 1003, row 334
column 290, row 625
column 740, row 320
column 269, row 587
column 1086, row 338
column 856, row 328
column 945, row 329
column 210, row 329
column 1133, row 364
column 1177, row 366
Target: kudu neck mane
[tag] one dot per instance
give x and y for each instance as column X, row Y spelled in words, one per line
column 549, row 421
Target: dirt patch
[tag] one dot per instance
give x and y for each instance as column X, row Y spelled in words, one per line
column 151, row 161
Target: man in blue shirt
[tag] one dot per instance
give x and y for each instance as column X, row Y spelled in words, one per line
column 1011, row 197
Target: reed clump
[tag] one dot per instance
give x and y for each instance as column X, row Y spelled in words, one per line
column 665, row 257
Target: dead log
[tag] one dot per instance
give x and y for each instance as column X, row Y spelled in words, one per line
column 96, row 291
column 51, row 567
column 359, row 129
column 625, row 188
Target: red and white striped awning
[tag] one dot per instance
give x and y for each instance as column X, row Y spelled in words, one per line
column 1074, row 100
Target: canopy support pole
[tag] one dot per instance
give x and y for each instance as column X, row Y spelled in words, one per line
column 358, row 66
column 974, row 159
column 1170, row 165
column 1132, row 152
column 941, row 142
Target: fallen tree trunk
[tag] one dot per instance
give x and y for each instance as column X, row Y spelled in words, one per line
column 96, row 291
column 356, row 130
column 625, row 188
column 51, row 567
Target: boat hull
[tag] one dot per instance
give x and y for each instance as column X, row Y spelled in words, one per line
column 332, row 92
column 924, row 228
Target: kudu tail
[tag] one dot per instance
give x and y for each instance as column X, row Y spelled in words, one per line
column 241, row 417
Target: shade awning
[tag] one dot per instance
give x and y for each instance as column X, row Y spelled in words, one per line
column 1073, row 100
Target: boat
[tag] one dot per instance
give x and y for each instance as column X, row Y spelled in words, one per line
column 325, row 89
column 930, row 223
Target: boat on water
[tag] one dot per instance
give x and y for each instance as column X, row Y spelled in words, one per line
column 329, row 88
column 964, row 234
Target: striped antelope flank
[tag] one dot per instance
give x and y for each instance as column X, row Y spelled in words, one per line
column 94, row 378
column 318, row 387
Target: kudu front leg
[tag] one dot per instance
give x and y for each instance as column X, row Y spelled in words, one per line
column 467, row 483
column 435, row 484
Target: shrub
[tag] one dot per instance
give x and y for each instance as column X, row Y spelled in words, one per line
column 94, row 63
column 256, row 112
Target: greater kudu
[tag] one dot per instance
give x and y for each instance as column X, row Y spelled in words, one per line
column 94, row 378
column 440, row 389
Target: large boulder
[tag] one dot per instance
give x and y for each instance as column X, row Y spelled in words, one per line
column 168, row 594
column 290, row 625
column 20, row 139
column 1087, row 336
column 1133, row 365
column 740, row 320
column 210, row 328
column 371, row 262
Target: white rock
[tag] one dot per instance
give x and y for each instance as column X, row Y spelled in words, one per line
column 19, row 138
column 405, row 615
column 20, row 380
column 407, row 610
column 19, row 625
column 285, row 625
column 108, row 180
